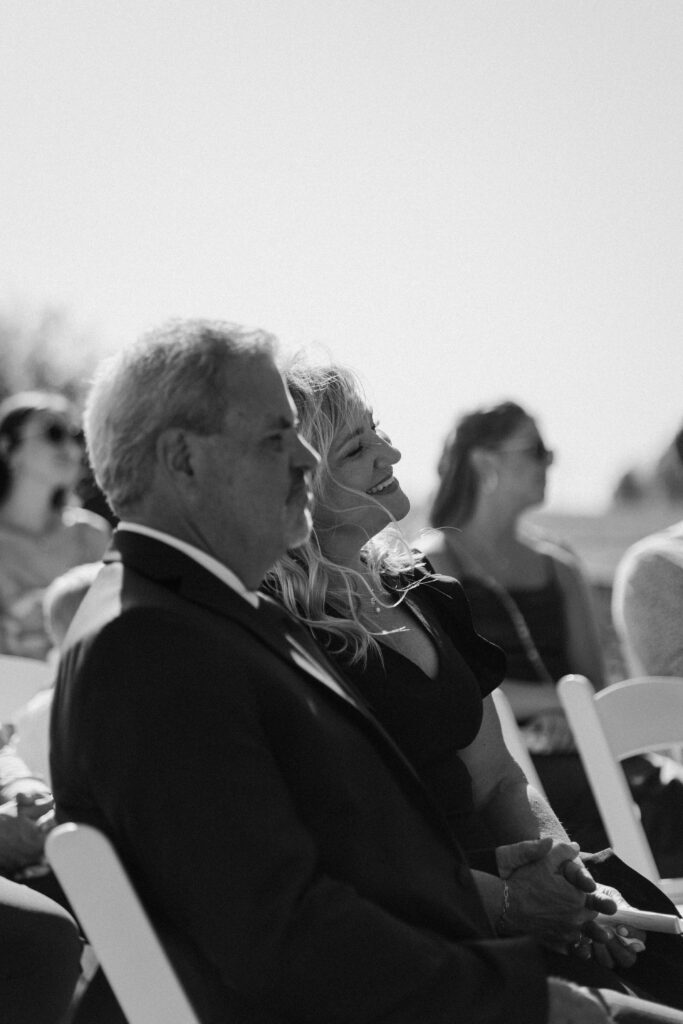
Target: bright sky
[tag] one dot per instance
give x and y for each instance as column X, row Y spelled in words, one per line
column 463, row 199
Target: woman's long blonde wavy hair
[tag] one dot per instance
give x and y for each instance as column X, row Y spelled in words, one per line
column 328, row 398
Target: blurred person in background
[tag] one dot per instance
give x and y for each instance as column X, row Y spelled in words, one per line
column 647, row 611
column 40, row 943
column 31, row 736
column 647, row 600
column 527, row 593
column 43, row 532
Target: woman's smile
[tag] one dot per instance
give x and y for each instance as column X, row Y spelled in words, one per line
column 386, row 486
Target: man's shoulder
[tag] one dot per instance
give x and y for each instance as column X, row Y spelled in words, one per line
column 132, row 616
column 122, row 598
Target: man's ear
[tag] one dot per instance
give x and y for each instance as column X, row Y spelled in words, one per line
column 176, row 456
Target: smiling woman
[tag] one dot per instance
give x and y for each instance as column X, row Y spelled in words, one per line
column 527, row 593
column 350, row 555
column 359, row 494
column 404, row 639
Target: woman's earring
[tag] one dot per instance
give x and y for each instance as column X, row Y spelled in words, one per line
column 490, row 482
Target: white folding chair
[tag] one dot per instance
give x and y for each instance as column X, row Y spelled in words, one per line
column 514, row 739
column 20, row 679
column 636, row 716
column 117, row 926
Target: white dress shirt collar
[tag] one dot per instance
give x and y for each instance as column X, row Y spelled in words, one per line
column 209, row 563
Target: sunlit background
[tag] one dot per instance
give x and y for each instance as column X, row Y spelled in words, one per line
column 465, row 200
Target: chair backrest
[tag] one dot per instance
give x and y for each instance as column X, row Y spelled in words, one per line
column 635, row 716
column 20, row 679
column 514, row 740
column 117, row 926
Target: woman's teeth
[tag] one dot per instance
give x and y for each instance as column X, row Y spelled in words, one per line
column 381, row 486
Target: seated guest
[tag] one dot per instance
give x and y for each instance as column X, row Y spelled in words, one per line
column 647, row 604
column 527, row 594
column 30, row 739
column 26, row 813
column 40, row 944
column 404, row 638
column 40, row 962
column 284, row 846
column 647, row 600
column 62, row 599
column 41, row 533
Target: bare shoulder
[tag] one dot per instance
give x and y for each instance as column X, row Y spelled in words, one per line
column 566, row 564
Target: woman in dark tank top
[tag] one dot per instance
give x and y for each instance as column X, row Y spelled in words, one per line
column 527, row 594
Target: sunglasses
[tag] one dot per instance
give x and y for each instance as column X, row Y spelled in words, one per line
column 57, row 433
column 537, row 451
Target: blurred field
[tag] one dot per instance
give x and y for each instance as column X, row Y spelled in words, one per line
column 599, row 541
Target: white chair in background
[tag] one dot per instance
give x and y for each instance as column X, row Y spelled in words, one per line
column 117, row 926
column 20, row 679
column 636, row 716
column 514, row 740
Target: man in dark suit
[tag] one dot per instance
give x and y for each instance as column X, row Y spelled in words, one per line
column 283, row 845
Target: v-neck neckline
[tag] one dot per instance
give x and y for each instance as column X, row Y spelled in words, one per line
column 431, row 633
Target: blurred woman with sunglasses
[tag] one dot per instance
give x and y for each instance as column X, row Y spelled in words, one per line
column 527, row 594
column 42, row 531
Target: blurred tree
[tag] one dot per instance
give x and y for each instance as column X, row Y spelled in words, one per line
column 44, row 349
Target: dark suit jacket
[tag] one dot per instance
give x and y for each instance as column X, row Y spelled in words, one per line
column 275, row 833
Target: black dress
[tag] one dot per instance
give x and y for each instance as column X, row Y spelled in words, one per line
column 431, row 720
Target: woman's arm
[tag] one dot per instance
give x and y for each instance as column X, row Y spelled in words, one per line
column 512, row 809
column 547, row 890
column 584, row 649
column 547, row 885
